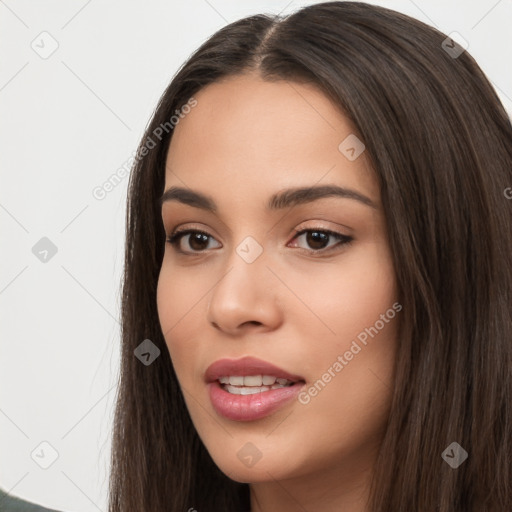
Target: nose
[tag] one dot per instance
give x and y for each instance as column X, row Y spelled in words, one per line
column 245, row 298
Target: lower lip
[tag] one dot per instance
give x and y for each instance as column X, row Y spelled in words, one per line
column 251, row 407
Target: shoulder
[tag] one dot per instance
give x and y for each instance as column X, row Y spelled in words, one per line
column 10, row 503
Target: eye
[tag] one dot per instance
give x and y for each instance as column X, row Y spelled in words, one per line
column 318, row 239
column 197, row 240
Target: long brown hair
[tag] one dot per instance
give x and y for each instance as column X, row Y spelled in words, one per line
column 441, row 147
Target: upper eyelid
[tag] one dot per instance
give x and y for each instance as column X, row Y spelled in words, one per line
column 295, row 230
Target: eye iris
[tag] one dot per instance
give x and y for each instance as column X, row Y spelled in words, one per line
column 315, row 237
column 198, row 237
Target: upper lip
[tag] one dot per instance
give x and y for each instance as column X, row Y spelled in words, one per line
column 246, row 366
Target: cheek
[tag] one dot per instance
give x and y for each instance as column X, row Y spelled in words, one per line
column 351, row 363
column 180, row 310
column 347, row 299
column 359, row 300
column 181, row 296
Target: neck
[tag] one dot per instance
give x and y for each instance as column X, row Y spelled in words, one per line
column 332, row 489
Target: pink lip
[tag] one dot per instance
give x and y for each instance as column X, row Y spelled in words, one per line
column 257, row 405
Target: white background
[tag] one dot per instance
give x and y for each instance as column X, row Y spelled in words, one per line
column 68, row 123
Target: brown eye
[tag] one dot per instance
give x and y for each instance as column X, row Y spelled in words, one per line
column 318, row 239
column 197, row 240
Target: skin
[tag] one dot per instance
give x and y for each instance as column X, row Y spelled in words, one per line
column 299, row 309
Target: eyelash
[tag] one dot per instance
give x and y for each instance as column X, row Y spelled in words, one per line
column 344, row 240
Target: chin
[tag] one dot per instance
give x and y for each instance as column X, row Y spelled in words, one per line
column 258, row 473
column 250, row 465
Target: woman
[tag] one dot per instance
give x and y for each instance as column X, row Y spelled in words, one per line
column 317, row 290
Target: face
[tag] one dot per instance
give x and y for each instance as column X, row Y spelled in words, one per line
column 307, row 286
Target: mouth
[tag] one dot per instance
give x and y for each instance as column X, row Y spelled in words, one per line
column 248, row 389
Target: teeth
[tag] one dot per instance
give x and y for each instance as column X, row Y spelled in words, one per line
column 241, row 390
column 253, row 380
column 268, row 380
column 251, row 384
column 246, row 391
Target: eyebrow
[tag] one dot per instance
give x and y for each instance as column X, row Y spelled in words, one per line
column 280, row 200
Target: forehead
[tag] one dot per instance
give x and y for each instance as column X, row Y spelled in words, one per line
column 248, row 132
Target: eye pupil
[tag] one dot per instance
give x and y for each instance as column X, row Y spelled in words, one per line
column 315, row 237
column 198, row 237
